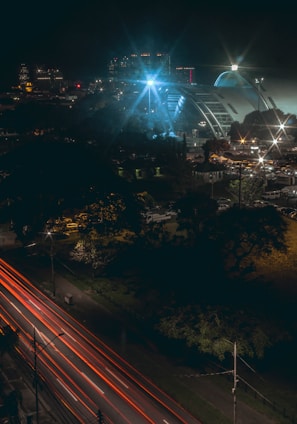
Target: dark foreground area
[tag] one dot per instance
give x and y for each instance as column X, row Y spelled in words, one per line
column 265, row 400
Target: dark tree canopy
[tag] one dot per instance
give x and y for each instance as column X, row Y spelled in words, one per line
column 46, row 178
column 8, row 339
column 244, row 233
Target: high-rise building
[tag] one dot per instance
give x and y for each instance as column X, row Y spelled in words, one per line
column 140, row 66
column 49, row 79
column 24, row 77
column 163, row 64
column 185, row 75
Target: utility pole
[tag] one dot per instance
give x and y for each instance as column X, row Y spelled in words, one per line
column 235, row 379
column 52, row 267
column 239, row 186
column 234, row 382
column 35, row 377
column 53, row 282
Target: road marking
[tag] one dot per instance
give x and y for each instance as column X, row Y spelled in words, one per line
column 69, row 335
column 92, row 382
column 67, row 390
column 116, row 377
column 34, row 304
column 19, row 311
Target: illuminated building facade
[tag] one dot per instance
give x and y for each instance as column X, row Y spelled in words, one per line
column 48, row 79
column 213, row 108
column 205, row 110
column 42, row 79
column 24, row 77
column 137, row 65
column 185, row 75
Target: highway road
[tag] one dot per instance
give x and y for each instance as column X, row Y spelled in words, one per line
column 82, row 371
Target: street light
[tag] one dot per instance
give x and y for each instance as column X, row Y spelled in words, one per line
column 239, row 185
column 258, row 82
column 262, row 164
column 36, row 353
column 149, row 83
column 53, row 282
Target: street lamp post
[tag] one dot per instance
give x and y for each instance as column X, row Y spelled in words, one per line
column 239, row 186
column 150, row 82
column 53, row 282
column 258, row 82
column 36, row 353
column 276, row 145
column 262, row 163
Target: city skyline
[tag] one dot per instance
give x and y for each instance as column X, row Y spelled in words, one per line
column 82, row 38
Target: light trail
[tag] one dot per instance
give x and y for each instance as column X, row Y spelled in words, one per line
column 91, row 351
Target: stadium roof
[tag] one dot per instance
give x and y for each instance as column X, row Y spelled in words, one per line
column 232, row 97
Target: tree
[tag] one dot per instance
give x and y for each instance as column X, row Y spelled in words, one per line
column 46, row 178
column 214, row 146
column 8, row 339
column 92, row 250
column 8, row 342
column 209, row 330
column 242, row 234
column 245, row 189
column 264, row 125
column 193, row 209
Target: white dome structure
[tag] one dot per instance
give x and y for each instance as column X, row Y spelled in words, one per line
column 232, row 97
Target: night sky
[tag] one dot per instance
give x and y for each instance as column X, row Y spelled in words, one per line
column 80, row 37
